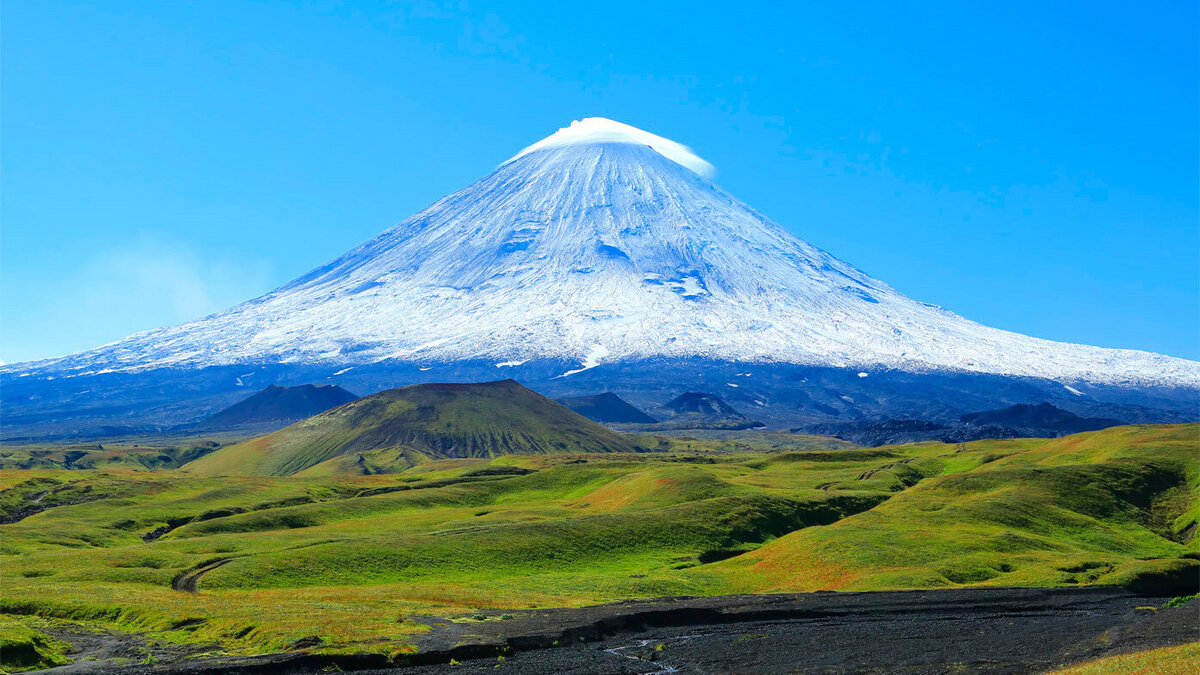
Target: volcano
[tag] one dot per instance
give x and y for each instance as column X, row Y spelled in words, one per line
column 440, row 421
column 603, row 254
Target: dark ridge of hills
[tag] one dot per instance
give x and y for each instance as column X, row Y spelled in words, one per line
column 606, row 408
column 279, row 404
column 419, row 421
column 1043, row 420
column 886, row 432
column 1044, row 416
column 101, row 406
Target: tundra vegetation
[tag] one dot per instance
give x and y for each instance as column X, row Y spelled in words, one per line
column 332, row 560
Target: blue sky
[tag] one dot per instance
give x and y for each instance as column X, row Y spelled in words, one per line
column 1032, row 166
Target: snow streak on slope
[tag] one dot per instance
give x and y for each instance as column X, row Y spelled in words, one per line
column 599, row 247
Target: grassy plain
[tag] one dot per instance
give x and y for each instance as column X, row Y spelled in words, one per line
column 366, row 563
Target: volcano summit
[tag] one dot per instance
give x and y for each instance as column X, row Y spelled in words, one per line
column 603, row 258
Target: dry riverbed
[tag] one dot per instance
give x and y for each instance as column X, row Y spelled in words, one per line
column 943, row 631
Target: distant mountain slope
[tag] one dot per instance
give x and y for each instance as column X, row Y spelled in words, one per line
column 1043, row 420
column 606, row 408
column 1043, row 417
column 434, row 420
column 276, row 403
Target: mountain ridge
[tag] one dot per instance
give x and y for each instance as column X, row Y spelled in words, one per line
column 1023, row 420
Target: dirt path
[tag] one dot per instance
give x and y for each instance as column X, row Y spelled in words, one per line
column 187, row 581
column 35, row 506
column 866, row 475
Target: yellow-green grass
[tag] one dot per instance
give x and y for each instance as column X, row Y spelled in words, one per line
column 711, row 440
column 1103, row 507
column 1176, row 660
column 359, row 560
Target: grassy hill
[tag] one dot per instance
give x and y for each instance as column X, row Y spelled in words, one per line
column 358, row 560
column 396, row 428
column 1112, row 506
column 120, row 456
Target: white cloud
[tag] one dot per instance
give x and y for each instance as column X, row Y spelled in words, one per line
column 138, row 285
column 603, row 130
column 167, row 283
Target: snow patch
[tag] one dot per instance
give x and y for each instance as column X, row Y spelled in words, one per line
column 1073, row 390
column 689, row 286
column 730, row 384
column 507, row 364
column 864, row 374
column 590, row 361
column 343, row 370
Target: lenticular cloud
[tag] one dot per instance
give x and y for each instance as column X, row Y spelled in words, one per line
column 602, row 130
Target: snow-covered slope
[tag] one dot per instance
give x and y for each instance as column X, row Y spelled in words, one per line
column 598, row 244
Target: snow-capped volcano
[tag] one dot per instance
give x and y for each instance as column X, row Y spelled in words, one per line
column 598, row 244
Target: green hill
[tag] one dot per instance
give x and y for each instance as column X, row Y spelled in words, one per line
column 403, row 426
column 1117, row 506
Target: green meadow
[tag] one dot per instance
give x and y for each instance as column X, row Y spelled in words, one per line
column 367, row 562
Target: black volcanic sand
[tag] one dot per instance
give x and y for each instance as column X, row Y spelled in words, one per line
column 942, row 631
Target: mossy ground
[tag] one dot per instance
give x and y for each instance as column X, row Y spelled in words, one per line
column 363, row 562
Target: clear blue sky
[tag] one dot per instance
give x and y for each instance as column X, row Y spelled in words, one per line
column 1029, row 165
